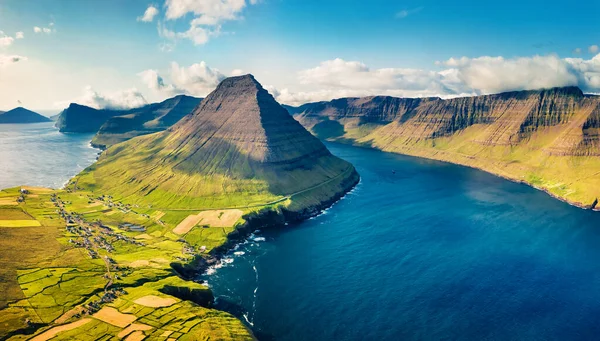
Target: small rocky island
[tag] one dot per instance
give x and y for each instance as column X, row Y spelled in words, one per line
column 22, row 115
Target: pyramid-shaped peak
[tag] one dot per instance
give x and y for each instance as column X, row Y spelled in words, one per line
column 236, row 87
column 246, row 80
column 241, row 113
column 238, row 143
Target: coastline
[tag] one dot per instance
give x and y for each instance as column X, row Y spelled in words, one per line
column 595, row 208
column 269, row 218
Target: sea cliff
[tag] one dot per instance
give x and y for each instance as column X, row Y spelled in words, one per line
column 546, row 138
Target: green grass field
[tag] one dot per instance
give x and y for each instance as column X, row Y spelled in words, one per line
column 46, row 285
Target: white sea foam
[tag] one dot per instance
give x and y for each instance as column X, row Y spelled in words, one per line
column 239, row 253
column 259, row 239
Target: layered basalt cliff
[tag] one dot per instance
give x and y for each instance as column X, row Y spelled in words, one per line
column 148, row 119
column 548, row 138
column 113, row 126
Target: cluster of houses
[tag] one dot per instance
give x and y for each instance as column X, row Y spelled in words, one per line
column 109, row 296
column 108, row 201
column 22, row 193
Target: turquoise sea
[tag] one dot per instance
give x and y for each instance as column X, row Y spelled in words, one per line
column 38, row 155
column 433, row 252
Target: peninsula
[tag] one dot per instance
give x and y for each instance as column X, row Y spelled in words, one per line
column 114, row 125
column 112, row 253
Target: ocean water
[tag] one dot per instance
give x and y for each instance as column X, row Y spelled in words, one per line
column 433, row 252
column 38, row 155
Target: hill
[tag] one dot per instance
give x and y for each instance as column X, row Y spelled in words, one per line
column 22, row 115
column 148, row 119
column 114, row 125
column 83, row 119
column 239, row 148
column 547, row 138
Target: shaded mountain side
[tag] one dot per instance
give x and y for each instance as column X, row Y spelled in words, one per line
column 548, row 138
column 148, row 119
column 118, row 125
column 239, row 148
column 22, row 115
column 82, row 119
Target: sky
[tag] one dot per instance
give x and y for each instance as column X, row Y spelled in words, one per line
column 123, row 54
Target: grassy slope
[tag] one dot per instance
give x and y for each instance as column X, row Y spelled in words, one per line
column 546, row 138
column 572, row 178
column 575, row 179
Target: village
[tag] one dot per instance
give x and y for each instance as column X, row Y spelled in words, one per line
column 96, row 238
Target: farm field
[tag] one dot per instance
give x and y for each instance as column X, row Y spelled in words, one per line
column 85, row 275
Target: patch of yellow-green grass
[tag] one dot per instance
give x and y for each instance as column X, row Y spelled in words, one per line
column 13, row 213
column 210, row 237
column 572, row 178
column 19, row 223
column 50, row 279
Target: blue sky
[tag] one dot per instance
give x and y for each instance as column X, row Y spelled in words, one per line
column 101, row 53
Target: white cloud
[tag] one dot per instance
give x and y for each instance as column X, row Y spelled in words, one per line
column 577, row 51
column 211, row 10
column 461, row 76
column 237, row 72
column 19, row 35
column 208, row 17
column 406, row 12
column 47, row 30
column 594, row 49
column 198, row 35
column 197, row 79
column 5, row 40
column 149, row 14
column 6, row 60
column 126, row 99
column 497, row 74
column 155, row 82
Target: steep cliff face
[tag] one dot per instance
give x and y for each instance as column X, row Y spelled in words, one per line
column 239, row 147
column 82, row 119
column 549, row 138
column 148, row 119
column 114, row 125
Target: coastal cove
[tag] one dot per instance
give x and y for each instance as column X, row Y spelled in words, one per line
column 39, row 155
column 434, row 251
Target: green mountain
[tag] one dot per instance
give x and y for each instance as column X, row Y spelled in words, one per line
column 148, row 119
column 239, row 148
column 82, row 119
column 114, row 126
column 22, row 115
column 547, row 138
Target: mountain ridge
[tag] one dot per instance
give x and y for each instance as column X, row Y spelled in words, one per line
column 548, row 138
column 148, row 119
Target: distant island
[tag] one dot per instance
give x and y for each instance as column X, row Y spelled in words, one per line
column 547, row 138
column 22, row 115
column 114, row 125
